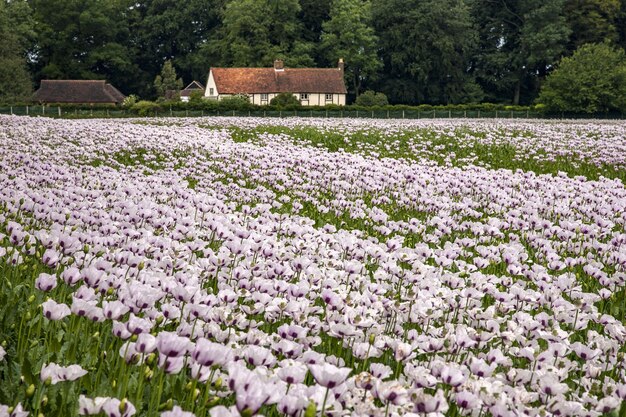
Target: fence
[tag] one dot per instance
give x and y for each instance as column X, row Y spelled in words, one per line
column 61, row 112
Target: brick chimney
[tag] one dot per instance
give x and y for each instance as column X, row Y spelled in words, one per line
column 279, row 65
column 341, row 64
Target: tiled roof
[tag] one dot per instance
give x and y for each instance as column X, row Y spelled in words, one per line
column 269, row 80
column 77, row 91
column 193, row 86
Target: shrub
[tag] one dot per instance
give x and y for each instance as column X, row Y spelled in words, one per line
column 285, row 101
column 590, row 81
column 196, row 98
column 146, row 108
column 238, row 102
column 371, row 98
column 129, row 101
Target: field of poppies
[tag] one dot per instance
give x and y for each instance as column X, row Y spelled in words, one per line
column 231, row 267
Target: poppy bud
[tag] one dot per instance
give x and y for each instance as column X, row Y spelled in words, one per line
column 150, row 359
column 246, row 413
column 44, row 401
column 30, row 391
column 31, row 299
column 168, row 405
column 212, row 401
column 123, row 405
column 114, row 384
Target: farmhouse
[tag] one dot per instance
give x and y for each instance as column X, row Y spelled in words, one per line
column 312, row 86
column 78, row 92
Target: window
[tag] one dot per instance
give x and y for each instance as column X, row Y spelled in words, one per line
column 304, row 96
column 329, row 97
column 211, row 92
column 264, row 97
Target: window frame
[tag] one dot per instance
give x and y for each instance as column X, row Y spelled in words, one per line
column 304, row 96
column 327, row 95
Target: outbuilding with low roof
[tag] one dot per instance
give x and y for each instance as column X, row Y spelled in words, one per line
column 78, row 92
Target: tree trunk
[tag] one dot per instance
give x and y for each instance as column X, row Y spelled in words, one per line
column 357, row 85
column 518, row 87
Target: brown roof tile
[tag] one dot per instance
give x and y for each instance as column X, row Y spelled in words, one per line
column 77, row 91
column 268, row 80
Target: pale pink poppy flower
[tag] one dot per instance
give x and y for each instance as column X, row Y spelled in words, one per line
column 55, row 311
column 116, row 408
column 207, row 353
column 90, row 406
column 46, row 282
column 56, row 373
column 328, row 375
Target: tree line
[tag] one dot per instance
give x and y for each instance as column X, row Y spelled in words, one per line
column 413, row 51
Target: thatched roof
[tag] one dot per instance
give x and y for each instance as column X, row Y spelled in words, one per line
column 78, row 91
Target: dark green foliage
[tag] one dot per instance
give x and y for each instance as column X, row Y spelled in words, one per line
column 85, row 40
column 256, row 32
column 426, row 47
column 15, row 82
column 235, row 103
column 146, row 108
column 348, row 35
column 371, row 98
column 592, row 21
column 285, row 100
column 519, row 41
column 592, row 80
column 167, row 80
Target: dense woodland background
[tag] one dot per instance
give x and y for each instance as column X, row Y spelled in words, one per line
column 414, row 51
